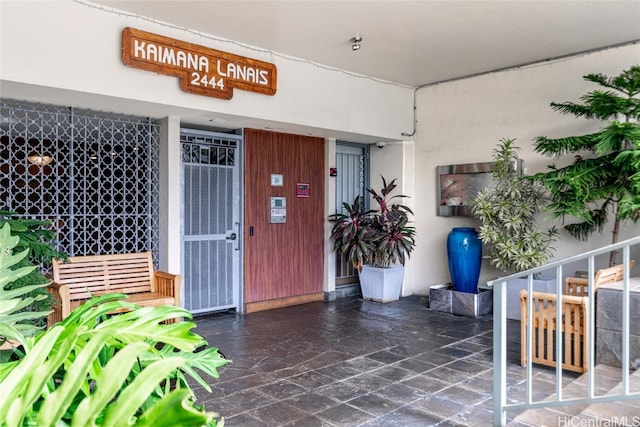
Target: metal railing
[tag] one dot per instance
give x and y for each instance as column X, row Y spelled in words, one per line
column 501, row 407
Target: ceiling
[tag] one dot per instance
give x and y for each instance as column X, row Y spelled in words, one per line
column 411, row 43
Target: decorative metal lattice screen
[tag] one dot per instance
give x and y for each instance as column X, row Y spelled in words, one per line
column 94, row 175
column 209, row 164
column 351, row 162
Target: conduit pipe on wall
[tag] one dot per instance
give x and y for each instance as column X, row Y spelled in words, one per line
column 513, row 67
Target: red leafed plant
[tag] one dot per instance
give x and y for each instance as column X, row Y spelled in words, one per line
column 379, row 237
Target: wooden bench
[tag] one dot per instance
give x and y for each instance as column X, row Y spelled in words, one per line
column 574, row 321
column 83, row 277
column 575, row 311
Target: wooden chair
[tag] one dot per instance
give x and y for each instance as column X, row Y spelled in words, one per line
column 574, row 322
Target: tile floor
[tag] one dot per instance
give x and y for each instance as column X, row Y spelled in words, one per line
column 351, row 362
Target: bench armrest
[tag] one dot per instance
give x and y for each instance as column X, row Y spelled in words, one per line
column 168, row 284
column 62, row 306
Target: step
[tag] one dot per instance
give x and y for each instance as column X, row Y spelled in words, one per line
column 607, row 380
column 350, row 290
column 621, row 413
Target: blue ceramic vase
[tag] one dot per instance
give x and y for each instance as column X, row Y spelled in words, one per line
column 464, row 250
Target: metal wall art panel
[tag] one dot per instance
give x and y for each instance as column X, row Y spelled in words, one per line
column 458, row 184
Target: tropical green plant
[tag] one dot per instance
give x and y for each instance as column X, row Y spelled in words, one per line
column 14, row 320
column 507, row 211
column 125, row 369
column 603, row 180
column 37, row 238
column 375, row 237
column 100, row 369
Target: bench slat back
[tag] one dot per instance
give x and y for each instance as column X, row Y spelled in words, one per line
column 611, row 274
column 101, row 274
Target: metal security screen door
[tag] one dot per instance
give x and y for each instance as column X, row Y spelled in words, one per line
column 211, row 211
column 352, row 161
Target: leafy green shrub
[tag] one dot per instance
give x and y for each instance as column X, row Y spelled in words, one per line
column 14, row 320
column 37, row 238
column 508, row 214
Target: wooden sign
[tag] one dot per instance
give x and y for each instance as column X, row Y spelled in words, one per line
column 201, row 70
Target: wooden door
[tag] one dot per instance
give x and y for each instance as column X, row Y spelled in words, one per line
column 283, row 263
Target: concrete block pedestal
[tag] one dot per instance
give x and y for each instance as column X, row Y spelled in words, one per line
column 444, row 298
column 609, row 324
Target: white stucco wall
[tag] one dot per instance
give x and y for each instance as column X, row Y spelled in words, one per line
column 69, row 53
column 396, row 161
column 462, row 121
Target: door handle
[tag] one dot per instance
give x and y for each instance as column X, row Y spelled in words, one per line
column 232, row 236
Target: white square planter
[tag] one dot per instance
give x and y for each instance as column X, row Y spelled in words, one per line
column 381, row 284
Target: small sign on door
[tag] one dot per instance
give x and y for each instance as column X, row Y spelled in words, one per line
column 302, row 190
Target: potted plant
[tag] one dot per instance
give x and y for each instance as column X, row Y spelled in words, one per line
column 507, row 211
column 376, row 242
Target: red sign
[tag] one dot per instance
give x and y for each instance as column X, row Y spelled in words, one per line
column 302, row 190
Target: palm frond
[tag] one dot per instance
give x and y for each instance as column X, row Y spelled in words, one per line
column 577, row 110
column 558, row 147
column 627, row 82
